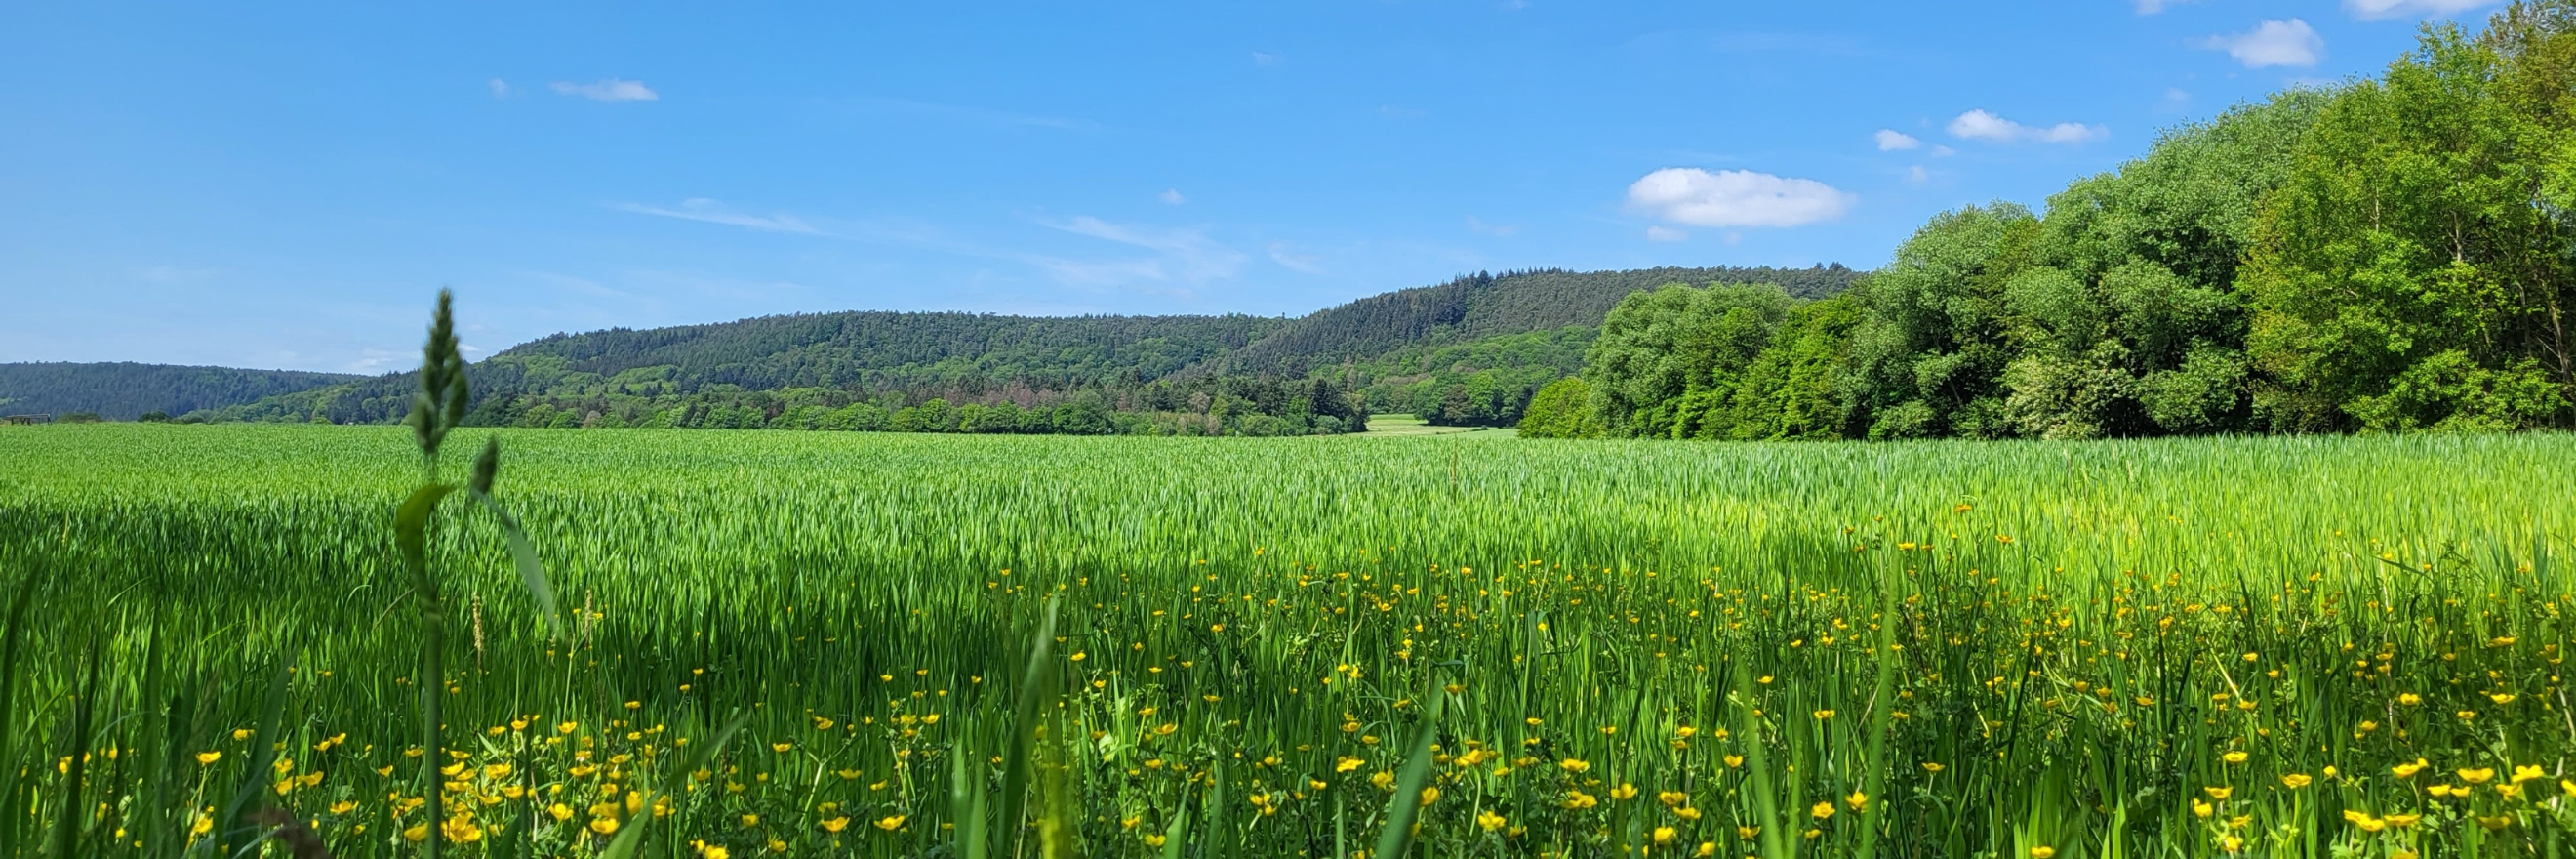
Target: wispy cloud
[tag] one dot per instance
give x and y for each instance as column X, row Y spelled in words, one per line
column 500, row 88
column 1981, row 125
column 609, row 89
column 1184, row 255
column 1171, row 197
column 2272, row 43
column 1266, row 58
column 1665, row 234
column 713, row 212
column 1296, row 262
column 1892, row 140
column 2150, row 7
column 2375, row 10
column 1735, row 198
column 1478, row 225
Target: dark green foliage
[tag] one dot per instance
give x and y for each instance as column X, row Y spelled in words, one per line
column 1665, row 357
column 127, row 391
column 1481, row 305
column 1471, row 352
column 1793, row 390
column 1483, row 382
column 2415, row 272
column 2389, row 256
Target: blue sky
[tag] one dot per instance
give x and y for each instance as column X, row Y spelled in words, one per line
column 286, row 186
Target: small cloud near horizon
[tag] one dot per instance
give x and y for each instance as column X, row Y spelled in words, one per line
column 1735, row 198
column 2379, row 10
column 2272, row 43
column 1892, row 140
column 1982, row 125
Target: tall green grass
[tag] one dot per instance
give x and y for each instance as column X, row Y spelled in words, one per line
column 1607, row 649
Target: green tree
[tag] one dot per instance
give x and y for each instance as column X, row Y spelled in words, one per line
column 1794, row 389
column 1664, row 355
column 2414, row 273
column 1929, row 358
column 1562, row 409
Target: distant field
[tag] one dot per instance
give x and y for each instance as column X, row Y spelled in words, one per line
column 1407, row 426
column 1920, row 649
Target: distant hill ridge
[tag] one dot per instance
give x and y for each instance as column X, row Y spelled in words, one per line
column 1481, row 305
column 125, row 390
column 951, row 353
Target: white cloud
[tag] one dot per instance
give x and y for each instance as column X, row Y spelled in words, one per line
column 500, row 88
column 1185, row 255
column 609, row 89
column 1917, row 175
column 1476, row 224
column 713, row 212
column 1266, row 58
column 1735, row 198
column 1296, row 262
column 2150, row 7
column 2375, row 10
column 2272, row 43
column 1665, row 234
column 1892, row 140
column 1981, row 125
column 1172, row 196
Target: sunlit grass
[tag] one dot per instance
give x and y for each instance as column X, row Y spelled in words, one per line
column 2176, row 647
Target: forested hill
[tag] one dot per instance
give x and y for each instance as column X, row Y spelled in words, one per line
column 963, row 355
column 125, row 391
column 903, row 350
column 1480, row 306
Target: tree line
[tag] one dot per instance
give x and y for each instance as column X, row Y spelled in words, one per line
column 2388, row 255
column 1207, row 406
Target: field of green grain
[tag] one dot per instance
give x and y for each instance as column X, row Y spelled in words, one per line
column 1266, row 647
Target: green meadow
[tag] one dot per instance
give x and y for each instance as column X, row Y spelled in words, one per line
column 2262, row 646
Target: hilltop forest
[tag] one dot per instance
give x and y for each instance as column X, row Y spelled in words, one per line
column 2389, row 255
column 1469, row 351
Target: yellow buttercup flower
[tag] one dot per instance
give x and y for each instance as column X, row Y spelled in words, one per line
column 209, row 758
column 2476, row 776
column 836, row 824
column 890, row 823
